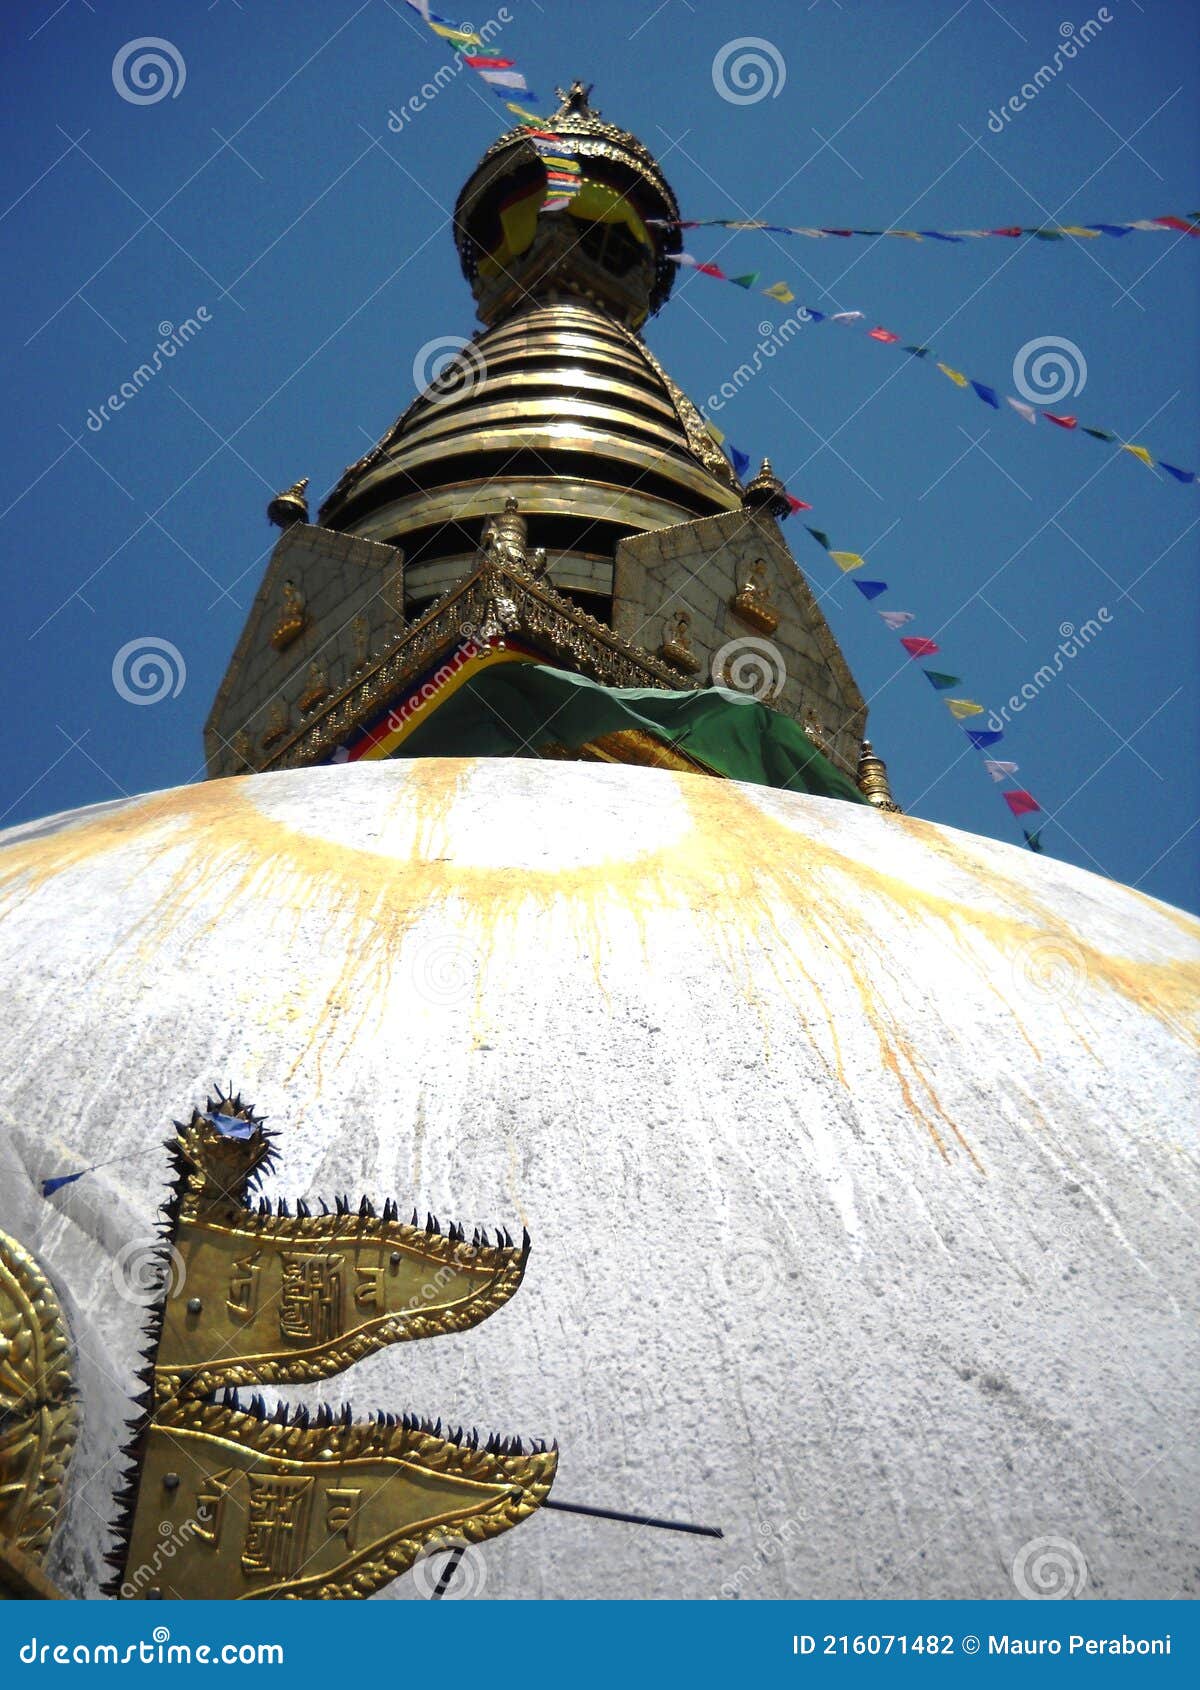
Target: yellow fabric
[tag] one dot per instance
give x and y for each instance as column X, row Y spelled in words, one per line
column 956, row 376
column 781, row 292
column 1139, row 452
column 847, row 560
column 960, row 707
column 594, row 203
column 463, row 37
column 1083, row 234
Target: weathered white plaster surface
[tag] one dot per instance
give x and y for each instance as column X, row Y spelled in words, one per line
column 858, row 1154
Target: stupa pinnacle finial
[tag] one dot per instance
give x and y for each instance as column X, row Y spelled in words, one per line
column 873, row 780
column 575, row 99
column 764, row 492
column 290, row 506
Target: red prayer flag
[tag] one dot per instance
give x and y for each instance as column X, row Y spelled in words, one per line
column 1063, row 422
column 796, row 504
column 915, row 646
column 712, row 270
column 1013, row 232
column 884, row 335
column 1021, row 802
column 1178, row 223
column 489, row 64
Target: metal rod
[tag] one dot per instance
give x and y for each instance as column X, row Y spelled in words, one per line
column 633, row 1519
column 448, row 1571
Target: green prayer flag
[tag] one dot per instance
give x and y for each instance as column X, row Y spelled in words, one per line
column 748, row 280
column 821, row 539
column 1099, row 434
column 939, row 681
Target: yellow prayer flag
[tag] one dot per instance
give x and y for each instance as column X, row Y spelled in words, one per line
column 1082, row 233
column 960, row 707
column 781, row 292
column 848, row 560
column 956, row 376
column 716, row 433
column 1139, row 452
column 463, row 37
column 905, row 234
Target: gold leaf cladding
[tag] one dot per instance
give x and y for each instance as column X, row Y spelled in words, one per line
column 260, row 1509
column 37, row 1413
column 275, row 1298
column 293, row 1505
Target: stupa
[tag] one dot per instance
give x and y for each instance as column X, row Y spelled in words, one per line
column 799, row 1191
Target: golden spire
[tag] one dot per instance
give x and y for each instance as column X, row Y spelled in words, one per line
column 290, row 506
column 765, row 493
column 873, row 780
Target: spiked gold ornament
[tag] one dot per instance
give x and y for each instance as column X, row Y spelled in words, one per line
column 293, row 1504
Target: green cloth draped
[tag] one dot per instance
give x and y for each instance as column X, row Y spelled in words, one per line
column 513, row 709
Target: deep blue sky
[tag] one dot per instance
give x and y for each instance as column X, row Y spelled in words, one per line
column 331, row 236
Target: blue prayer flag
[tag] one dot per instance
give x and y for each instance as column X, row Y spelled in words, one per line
column 987, row 394
column 871, row 589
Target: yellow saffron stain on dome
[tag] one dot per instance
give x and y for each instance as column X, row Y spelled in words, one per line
column 752, row 887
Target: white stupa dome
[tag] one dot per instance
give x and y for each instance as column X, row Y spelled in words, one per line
column 855, row 1152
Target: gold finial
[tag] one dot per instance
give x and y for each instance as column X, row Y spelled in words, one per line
column 873, row 780
column 293, row 617
column 765, row 493
column 290, row 506
column 575, row 100
column 753, row 602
